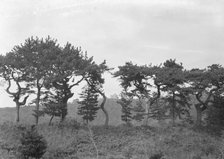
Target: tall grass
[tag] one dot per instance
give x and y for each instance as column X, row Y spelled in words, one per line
column 73, row 141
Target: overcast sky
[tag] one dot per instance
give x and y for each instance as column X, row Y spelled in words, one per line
column 147, row 31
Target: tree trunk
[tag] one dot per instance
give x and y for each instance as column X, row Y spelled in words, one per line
column 37, row 105
column 64, row 110
column 67, row 95
column 51, row 120
column 147, row 119
column 173, row 116
column 106, row 123
column 199, row 114
column 173, row 109
column 17, row 112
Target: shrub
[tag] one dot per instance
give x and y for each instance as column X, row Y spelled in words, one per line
column 215, row 117
column 32, row 144
column 158, row 155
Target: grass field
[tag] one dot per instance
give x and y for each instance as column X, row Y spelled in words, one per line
column 72, row 140
column 114, row 110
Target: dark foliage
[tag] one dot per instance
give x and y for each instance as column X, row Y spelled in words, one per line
column 139, row 111
column 88, row 105
column 157, row 156
column 32, row 144
column 53, row 105
column 125, row 103
column 215, row 115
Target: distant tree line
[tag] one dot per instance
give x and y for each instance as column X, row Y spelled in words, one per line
column 49, row 71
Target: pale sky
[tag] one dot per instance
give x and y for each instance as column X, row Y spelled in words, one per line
column 142, row 31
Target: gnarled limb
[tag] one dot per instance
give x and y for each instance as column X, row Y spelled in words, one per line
column 24, row 100
column 16, row 96
column 103, row 108
column 9, row 86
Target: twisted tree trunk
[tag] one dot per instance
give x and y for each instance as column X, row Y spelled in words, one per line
column 106, row 123
column 16, row 97
column 199, row 111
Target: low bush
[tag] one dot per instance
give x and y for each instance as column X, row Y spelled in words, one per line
column 32, row 144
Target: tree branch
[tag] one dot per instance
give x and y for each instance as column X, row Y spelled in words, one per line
column 24, row 101
column 76, row 83
column 203, row 104
column 9, row 86
column 56, row 85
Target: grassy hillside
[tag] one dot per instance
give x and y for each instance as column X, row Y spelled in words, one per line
column 120, row 142
column 114, row 110
column 72, row 140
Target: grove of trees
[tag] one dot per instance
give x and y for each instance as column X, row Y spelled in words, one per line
column 43, row 68
column 171, row 91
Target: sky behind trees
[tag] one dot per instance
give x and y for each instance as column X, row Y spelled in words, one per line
column 142, row 31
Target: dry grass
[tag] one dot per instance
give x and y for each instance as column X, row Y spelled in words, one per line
column 121, row 142
column 72, row 141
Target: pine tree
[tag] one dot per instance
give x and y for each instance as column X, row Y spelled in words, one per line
column 88, row 106
column 32, row 144
column 125, row 103
column 139, row 110
column 53, row 105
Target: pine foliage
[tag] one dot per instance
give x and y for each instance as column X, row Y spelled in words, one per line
column 53, row 105
column 139, row 111
column 126, row 104
column 88, row 106
column 32, row 144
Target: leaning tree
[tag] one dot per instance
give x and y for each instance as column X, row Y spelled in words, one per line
column 95, row 80
column 12, row 70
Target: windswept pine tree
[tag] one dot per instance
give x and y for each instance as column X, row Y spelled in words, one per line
column 95, row 80
column 88, row 106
